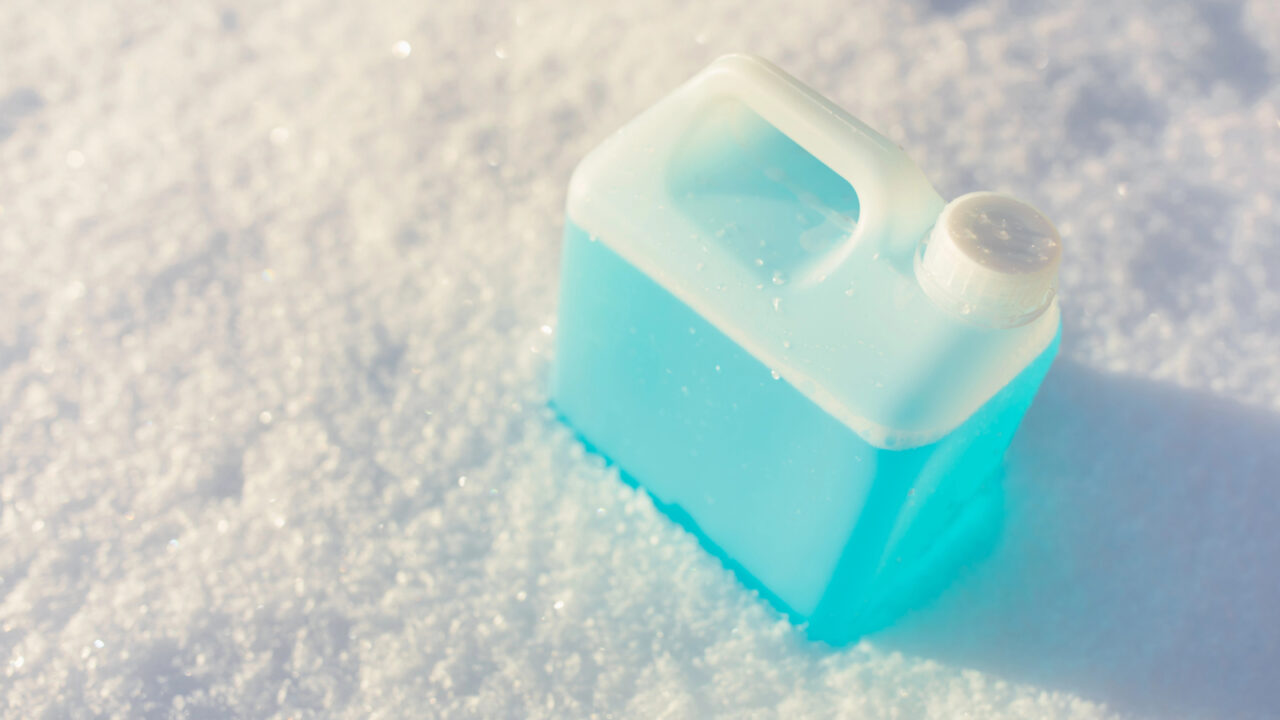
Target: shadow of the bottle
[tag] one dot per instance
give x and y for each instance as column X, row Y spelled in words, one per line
column 1140, row 563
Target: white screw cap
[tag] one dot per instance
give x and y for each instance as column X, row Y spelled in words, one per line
column 991, row 259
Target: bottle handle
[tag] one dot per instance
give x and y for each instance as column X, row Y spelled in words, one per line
column 865, row 159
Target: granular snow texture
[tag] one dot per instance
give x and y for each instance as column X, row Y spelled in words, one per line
column 277, row 296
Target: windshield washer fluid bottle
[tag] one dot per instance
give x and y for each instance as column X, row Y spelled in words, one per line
column 771, row 322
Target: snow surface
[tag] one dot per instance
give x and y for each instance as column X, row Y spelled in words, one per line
column 276, row 295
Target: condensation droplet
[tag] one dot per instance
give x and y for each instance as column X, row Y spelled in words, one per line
column 776, row 375
column 401, row 49
column 779, row 277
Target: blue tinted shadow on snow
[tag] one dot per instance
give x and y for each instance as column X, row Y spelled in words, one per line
column 16, row 105
column 1140, row 564
column 1234, row 57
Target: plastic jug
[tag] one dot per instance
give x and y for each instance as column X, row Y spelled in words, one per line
column 771, row 322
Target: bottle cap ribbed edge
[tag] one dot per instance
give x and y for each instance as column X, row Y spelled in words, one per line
column 991, row 259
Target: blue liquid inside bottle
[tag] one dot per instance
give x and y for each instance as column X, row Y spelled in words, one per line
column 835, row 532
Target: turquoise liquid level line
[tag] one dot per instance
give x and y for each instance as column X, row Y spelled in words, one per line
column 835, row 532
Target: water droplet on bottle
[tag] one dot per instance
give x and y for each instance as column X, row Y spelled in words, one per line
column 759, row 262
column 779, row 277
column 786, row 344
column 777, row 303
column 776, row 375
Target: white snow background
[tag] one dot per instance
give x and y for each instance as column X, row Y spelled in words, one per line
column 277, row 294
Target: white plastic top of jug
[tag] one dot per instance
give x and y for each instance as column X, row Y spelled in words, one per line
column 991, row 258
column 899, row 343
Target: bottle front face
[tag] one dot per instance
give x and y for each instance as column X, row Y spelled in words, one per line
column 803, row 508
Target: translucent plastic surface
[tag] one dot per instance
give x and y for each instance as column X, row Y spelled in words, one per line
column 743, row 332
column 757, row 193
column 793, row 228
column 834, row 531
